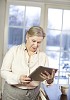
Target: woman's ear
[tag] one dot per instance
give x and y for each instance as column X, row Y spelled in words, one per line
column 26, row 37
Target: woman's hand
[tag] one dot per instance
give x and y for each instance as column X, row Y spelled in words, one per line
column 48, row 77
column 24, row 80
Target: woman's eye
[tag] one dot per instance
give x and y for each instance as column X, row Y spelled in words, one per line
column 39, row 42
column 33, row 40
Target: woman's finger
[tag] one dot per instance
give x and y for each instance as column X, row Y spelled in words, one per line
column 53, row 73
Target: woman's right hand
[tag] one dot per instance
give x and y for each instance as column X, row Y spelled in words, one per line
column 24, row 79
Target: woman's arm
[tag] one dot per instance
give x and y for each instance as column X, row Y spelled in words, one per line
column 6, row 70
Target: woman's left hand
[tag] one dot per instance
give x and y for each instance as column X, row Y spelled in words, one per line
column 48, row 77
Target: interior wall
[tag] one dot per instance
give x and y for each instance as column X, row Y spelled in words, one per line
column 2, row 23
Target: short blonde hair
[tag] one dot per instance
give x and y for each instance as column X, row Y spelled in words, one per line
column 36, row 31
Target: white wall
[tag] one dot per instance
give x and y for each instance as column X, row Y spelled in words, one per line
column 2, row 20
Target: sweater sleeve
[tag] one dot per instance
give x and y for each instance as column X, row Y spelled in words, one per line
column 6, row 69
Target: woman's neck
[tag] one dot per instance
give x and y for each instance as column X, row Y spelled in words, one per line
column 30, row 53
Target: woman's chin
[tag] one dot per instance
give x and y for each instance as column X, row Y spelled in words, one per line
column 34, row 50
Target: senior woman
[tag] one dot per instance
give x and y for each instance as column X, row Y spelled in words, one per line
column 19, row 62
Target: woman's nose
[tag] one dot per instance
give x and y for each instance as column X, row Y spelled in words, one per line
column 35, row 44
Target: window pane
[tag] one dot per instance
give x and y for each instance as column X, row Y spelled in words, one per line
column 65, row 57
column 53, row 40
column 15, row 36
column 53, row 57
column 64, row 65
column 66, row 18
column 66, row 40
column 16, row 15
column 32, row 16
column 54, row 18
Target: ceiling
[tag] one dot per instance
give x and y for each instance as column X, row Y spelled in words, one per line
column 51, row 1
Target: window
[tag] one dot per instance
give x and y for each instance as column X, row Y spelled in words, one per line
column 21, row 18
column 58, row 42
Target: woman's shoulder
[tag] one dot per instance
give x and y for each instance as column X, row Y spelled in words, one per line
column 42, row 53
column 17, row 47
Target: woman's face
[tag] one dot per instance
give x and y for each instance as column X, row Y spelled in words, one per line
column 33, row 42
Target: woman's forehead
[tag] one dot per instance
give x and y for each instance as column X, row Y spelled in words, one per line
column 36, row 37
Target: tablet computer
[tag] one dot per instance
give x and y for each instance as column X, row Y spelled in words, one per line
column 35, row 75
